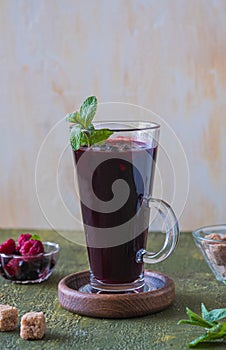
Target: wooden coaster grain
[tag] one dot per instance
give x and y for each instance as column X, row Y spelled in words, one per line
column 115, row 305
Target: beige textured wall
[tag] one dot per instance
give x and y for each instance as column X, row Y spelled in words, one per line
column 165, row 55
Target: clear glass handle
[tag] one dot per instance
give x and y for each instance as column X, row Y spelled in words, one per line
column 172, row 233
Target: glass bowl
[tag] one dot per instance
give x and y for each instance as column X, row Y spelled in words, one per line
column 30, row 269
column 212, row 242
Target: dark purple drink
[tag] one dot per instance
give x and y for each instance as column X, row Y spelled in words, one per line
column 133, row 162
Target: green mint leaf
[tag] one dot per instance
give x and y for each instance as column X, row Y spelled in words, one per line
column 99, row 135
column 192, row 323
column 36, row 237
column 74, row 118
column 198, row 319
column 215, row 315
column 198, row 340
column 88, row 110
column 83, row 132
column 84, row 139
column 90, row 128
column 214, row 330
column 218, row 331
column 205, row 312
column 75, row 137
column 214, row 333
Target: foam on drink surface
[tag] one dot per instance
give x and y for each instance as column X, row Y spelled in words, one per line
column 119, row 145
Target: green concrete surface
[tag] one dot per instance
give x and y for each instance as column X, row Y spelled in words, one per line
column 194, row 284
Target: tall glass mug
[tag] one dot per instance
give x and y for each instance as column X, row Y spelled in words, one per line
column 115, row 181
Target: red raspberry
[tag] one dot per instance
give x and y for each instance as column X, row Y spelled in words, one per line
column 8, row 247
column 12, row 268
column 24, row 237
column 32, row 247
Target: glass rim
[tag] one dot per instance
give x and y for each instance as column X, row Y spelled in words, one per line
column 129, row 125
column 54, row 245
column 200, row 232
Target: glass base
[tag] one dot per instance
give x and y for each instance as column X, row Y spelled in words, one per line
column 98, row 287
column 149, row 283
column 87, row 288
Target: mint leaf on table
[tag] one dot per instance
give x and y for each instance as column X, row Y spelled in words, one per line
column 214, row 330
column 83, row 132
column 213, row 315
column 214, row 333
column 196, row 320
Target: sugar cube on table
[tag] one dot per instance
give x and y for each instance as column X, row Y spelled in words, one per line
column 8, row 318
column 33, row 325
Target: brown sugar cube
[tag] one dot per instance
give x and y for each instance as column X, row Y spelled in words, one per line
column 33, row 325
column 8, row 318
column 215, row 236
column 216, row 251
column 219, row 253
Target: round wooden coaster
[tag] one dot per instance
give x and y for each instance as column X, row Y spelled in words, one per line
column 160, row 296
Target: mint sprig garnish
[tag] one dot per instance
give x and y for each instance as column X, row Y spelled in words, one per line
column 214, row 330
column 83, row 132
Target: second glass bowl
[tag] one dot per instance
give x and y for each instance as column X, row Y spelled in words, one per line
column 211, row 240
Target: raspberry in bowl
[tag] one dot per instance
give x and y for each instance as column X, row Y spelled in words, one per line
column 28, row 260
